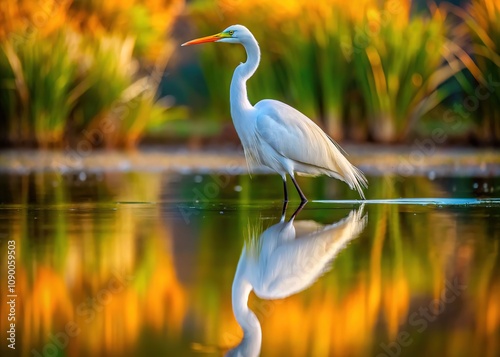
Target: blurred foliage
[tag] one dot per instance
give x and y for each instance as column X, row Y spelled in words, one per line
column 481, row 24
column 37, row 91
column 365, row 68
column 400, row 71
column 146, row 20
column 70, row 67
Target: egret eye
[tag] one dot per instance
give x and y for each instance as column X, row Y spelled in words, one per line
column 231, row 32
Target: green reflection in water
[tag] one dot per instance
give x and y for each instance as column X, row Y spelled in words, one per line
column 143, row 264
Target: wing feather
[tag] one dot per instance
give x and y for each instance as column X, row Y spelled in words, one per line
column 294, row 136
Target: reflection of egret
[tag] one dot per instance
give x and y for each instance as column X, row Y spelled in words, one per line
column 276, row 135
column 281, row 263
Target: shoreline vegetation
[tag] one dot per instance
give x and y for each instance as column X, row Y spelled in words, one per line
column 73, row 67
column 366, row 71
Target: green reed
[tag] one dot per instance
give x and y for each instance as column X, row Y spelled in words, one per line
column 55, row 89
column 481, row 22
column 61, row 79
column 401, row 74
column 109, row 72
column 39, row 88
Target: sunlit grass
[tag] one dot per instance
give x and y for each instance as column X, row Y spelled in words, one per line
column 362, row 69
column 401, row 72
column 81, row 63
column 109, row 69
column 41, row 92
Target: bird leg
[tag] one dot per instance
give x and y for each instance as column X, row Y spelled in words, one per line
column 302, row 196
column 284, row 187
column 283, row 210
column 297, row 211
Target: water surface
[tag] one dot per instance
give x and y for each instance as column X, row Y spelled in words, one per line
column 141, row 263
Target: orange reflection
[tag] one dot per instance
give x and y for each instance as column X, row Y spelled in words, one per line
column 109, row 278
column 113, row 274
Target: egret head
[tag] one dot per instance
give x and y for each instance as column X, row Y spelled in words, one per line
column 233, row 34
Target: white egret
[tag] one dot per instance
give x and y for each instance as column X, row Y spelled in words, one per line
column 285, row 259
column 276, row 135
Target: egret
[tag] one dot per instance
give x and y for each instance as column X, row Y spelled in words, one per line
column 275, row 135
column 285, row 259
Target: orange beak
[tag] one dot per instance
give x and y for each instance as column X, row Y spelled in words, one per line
column 206, row 39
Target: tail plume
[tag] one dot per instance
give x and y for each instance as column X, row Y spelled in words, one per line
column 348, row 172
column 352, row 175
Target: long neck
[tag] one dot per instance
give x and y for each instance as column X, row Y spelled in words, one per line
column 252, row 331
column 238, row 91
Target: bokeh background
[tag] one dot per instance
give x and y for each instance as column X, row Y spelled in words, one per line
column 112, row 73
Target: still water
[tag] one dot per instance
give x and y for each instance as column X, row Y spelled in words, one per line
column 143, row 264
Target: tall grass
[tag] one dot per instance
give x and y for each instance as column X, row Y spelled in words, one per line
column 333, row 55
column 109, row 68
column 59, row 79
column 336, row 61
column 39, row 88
column 13, row 130
column 481, row 21
column 401, row 72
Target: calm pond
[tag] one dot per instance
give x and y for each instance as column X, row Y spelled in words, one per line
column 143, row 263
